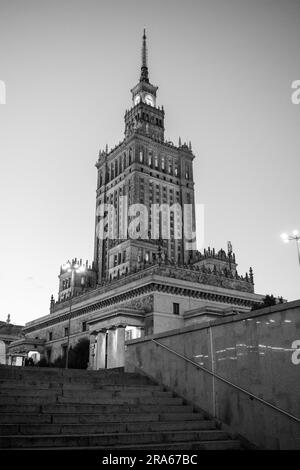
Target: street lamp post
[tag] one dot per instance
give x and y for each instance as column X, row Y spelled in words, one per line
column 294, row 236
column 71, row 267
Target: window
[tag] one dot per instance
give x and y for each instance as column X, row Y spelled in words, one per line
column 84, row 326
column 50, row 336
column 141, row 156
column 156, row 161
column 66, row 331
column 175, row 308
column 163, row 163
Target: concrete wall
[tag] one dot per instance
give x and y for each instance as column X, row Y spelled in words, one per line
column 258, row 351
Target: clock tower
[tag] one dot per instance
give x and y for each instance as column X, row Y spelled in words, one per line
column 144, row 169
column 145, row 115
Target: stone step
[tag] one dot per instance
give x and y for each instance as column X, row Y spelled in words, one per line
column 20, row 408
column 16, row 385
column 97, row 408
column 121, row 380
column 86, row 399
column 91, row 393
column 93, row 408
column 144, row 400
column 109, row 440
column 228, row 444
column 104, row 427
column 107, row 409
column 81, row 418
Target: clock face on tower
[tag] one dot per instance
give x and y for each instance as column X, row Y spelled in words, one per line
column 149, row 100
column 137, row 99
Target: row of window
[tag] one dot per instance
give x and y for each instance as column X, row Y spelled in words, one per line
column 66, row 283
column 166, row 165
column 66, row 331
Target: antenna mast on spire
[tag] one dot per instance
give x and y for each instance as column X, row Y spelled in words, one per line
column 144, row 68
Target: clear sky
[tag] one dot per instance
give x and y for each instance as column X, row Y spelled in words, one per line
column 224, row 70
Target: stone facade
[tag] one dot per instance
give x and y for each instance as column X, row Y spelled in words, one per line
column 145, row 284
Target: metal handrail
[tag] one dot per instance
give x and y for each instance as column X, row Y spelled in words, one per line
column 261, row 400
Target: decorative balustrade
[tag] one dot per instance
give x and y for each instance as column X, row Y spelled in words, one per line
column 168, row 269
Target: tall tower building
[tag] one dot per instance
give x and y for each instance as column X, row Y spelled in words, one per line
column 147, row 170
column 147, row 276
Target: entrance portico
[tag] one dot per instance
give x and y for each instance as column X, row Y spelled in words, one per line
column 108, row 335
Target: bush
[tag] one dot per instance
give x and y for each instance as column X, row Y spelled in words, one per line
column 268, row 301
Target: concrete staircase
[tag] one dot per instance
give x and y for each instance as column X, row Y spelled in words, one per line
column 43, row 408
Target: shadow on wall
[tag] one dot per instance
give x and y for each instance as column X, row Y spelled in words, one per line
column 78, row 357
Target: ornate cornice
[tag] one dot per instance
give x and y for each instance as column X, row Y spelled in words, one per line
column 128, row 297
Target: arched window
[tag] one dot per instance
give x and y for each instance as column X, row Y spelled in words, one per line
column 141, row 156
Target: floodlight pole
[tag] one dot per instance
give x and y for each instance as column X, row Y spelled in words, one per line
column 293, row 237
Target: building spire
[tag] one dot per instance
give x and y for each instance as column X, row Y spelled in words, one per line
column 144, row 69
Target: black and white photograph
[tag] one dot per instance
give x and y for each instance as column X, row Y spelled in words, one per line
column 150, row 230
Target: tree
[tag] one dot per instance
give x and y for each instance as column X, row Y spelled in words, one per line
column 268, row 301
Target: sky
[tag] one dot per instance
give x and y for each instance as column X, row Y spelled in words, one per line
column 224, row 70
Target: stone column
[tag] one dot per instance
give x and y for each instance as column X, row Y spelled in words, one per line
column 93, row 346
column 116, row 346
column 101, row 349
column 120, row 351
column 111, row 347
